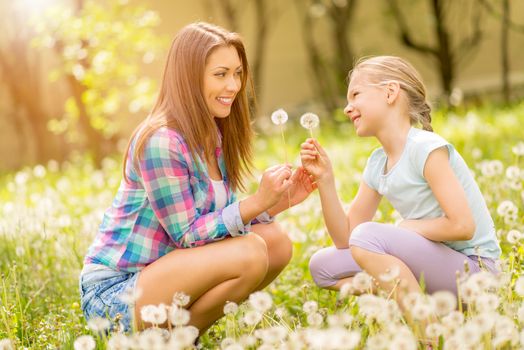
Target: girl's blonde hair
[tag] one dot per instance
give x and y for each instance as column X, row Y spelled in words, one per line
column 383, row 69
column 181, row 105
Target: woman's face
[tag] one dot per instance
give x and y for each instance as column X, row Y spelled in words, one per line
column 222, row 80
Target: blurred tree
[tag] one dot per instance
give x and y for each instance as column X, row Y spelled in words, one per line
column 329, row 71
column 504, row 16
column 21, row 77
column 449, row 49
column 265, row 15
column 99, row 47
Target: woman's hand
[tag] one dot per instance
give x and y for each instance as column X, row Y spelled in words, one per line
column 301, row 187
column 273, row 185
column 316, row 161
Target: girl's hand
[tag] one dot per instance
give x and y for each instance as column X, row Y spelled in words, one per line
column 274, row 183
column 316, row 161
column 301, row 187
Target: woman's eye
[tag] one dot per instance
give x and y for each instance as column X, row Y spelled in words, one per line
column 222, row 74
column 239, row 73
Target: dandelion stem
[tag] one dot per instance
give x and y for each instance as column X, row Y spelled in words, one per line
column 285, row 159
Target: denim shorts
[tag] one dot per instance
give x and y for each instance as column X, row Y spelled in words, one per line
column 99, row 295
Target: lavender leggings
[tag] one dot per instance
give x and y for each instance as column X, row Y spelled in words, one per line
column 436, row 261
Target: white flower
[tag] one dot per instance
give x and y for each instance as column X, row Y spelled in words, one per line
column 484, row 321
column 445, row 302
column 362, row 281
column 230, row 308
column 519, row 286
column 520, row 314
column 271, row 335
column 487, row 302
column 390, row 275
column 453, row 320
column 154, row 314
column 7, row 344
column 119, row 341
column 346, row 290
column 507, row 208
column 314, row 319
column 98, row 324
column 84, row 342
column 151, row 338
column 252, row 317
column 518, row 149
column 309, row 121
column 178, row 316
column 310, row 306
column 182, row 337
column 181, row 299
column 435, row 330
column 513, row 236
column 281, row 312
column 279, row 117
column 260, row 301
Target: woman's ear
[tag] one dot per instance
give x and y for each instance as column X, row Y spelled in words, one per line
column 392, row 91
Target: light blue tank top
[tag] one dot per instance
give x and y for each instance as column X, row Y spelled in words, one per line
column 409, row 193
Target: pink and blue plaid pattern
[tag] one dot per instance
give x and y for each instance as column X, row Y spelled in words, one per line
column 168, row 204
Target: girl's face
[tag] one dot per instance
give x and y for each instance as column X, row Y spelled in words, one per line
column 222, row 80
column 367, row 105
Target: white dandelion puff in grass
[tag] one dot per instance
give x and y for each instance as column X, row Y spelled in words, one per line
column 445, row 302
column 513, row 236
column 130, row 295
column 315, row 319
column 279, row 117
column 98, row 324
column 84, row 342
column 182, row 337
column 390, row 275
column 230, row 308
column 181, row 299
column 7, row 344
column 252, row 317
column 310, row 306
column 178, row 316
column 261, row 301
column 155, row 314
column 362, row 282
column 309, row 121
column 519, row 286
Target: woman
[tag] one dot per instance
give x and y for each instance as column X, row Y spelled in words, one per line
column 182, row 166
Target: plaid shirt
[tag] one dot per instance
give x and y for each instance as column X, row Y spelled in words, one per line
column 168, row 204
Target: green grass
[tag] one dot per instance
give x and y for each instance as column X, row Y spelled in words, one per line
column 49, row 215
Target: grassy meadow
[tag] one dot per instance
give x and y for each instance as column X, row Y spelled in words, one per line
column 49, row 215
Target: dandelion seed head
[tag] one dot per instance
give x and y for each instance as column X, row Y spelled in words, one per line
column 279, row 117
column 230, row 308
column 390, row 275
column 155, row 314
column 178, row 316
column 84, row 342
column 314, row 319
column 181, row 299
column 261, row 301
column 309, row 121
column 252, row 317
column 445, row 302
column 98, row 324
column 310, row 306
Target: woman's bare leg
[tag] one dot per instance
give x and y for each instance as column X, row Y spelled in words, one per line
column 228, row 270
column 279, row 250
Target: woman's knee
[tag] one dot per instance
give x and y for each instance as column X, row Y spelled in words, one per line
column 279, row 246
column 253, row 255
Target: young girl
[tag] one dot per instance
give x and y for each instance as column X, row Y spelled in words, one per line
column 167, row 227
column 445, row 219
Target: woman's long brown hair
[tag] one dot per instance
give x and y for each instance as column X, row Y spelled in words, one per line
column 181, row 106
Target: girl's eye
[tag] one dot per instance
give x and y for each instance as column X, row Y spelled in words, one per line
column 222, row 74
column 239, row 73
column 355, row 93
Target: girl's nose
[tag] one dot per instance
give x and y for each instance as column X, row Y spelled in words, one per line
column 349, row 108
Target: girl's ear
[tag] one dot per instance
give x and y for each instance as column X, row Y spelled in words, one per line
column 392, row 91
